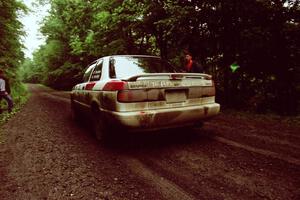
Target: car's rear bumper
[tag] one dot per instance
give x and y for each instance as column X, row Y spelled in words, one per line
column 161, row 118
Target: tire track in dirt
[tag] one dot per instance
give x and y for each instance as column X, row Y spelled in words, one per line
column 206, row 176
column 268, row 139
column 280, row 138
column 267, row 153
column 278, row 130
column 257, row 139
column 199, row 185
column 168, row 189
column 244, row 179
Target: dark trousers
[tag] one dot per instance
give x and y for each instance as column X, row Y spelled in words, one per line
column 9, row 101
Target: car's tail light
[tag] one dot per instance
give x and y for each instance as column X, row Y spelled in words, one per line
column 115, row 86
column 141, row 95
column 202, row 91
column 209, row 91
column 126, row 95
column 132, row 96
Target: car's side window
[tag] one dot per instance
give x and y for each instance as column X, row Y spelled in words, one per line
column 112, row 71
column 96, row 75
column 88, row 72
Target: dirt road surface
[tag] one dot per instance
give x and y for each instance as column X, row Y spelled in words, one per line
column 44, row 154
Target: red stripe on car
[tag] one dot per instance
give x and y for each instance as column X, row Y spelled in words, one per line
column 90, row 86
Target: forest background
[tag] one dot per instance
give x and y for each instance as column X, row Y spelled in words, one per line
column 259, row 36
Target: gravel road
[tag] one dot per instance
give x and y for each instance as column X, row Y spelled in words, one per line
column 44, row 154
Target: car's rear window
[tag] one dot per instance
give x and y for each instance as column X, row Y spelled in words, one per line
column 126, row 66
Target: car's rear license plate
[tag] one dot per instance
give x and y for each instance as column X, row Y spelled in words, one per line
column 175, row 96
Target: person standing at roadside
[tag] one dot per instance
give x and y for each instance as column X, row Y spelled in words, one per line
column 5, row 91
column 191, row 65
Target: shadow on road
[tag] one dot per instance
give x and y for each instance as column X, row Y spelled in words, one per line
column 159, row 139
column 131, row 141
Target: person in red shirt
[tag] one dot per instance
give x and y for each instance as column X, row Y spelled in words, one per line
column 191, row 65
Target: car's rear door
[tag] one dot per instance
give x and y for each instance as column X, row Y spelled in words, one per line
column 88, row 92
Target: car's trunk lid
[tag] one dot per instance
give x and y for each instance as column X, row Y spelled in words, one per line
column 165, row 90
column 168, row 80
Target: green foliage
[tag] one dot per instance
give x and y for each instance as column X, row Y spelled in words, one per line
column 10, row 35
column 65, row 77
column 262, row 37
column 11, row 55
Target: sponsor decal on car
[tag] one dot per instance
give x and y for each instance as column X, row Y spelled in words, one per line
column 166, row 83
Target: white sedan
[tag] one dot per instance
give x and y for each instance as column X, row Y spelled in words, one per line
column 138, row 92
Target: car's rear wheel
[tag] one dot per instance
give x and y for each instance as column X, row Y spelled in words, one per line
column 100, row 127
column 74, row 112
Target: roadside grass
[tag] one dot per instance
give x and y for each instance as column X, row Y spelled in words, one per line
column 20, row 96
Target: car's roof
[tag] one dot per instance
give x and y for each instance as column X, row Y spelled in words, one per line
column 128, row 55
column 148, row 56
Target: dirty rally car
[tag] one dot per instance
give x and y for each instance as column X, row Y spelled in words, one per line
column 141, row 93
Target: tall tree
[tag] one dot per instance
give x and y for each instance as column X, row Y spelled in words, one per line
column 261, row 36
column 10, row 34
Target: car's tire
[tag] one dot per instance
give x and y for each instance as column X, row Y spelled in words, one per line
column 75, row 115
column 100, row 127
